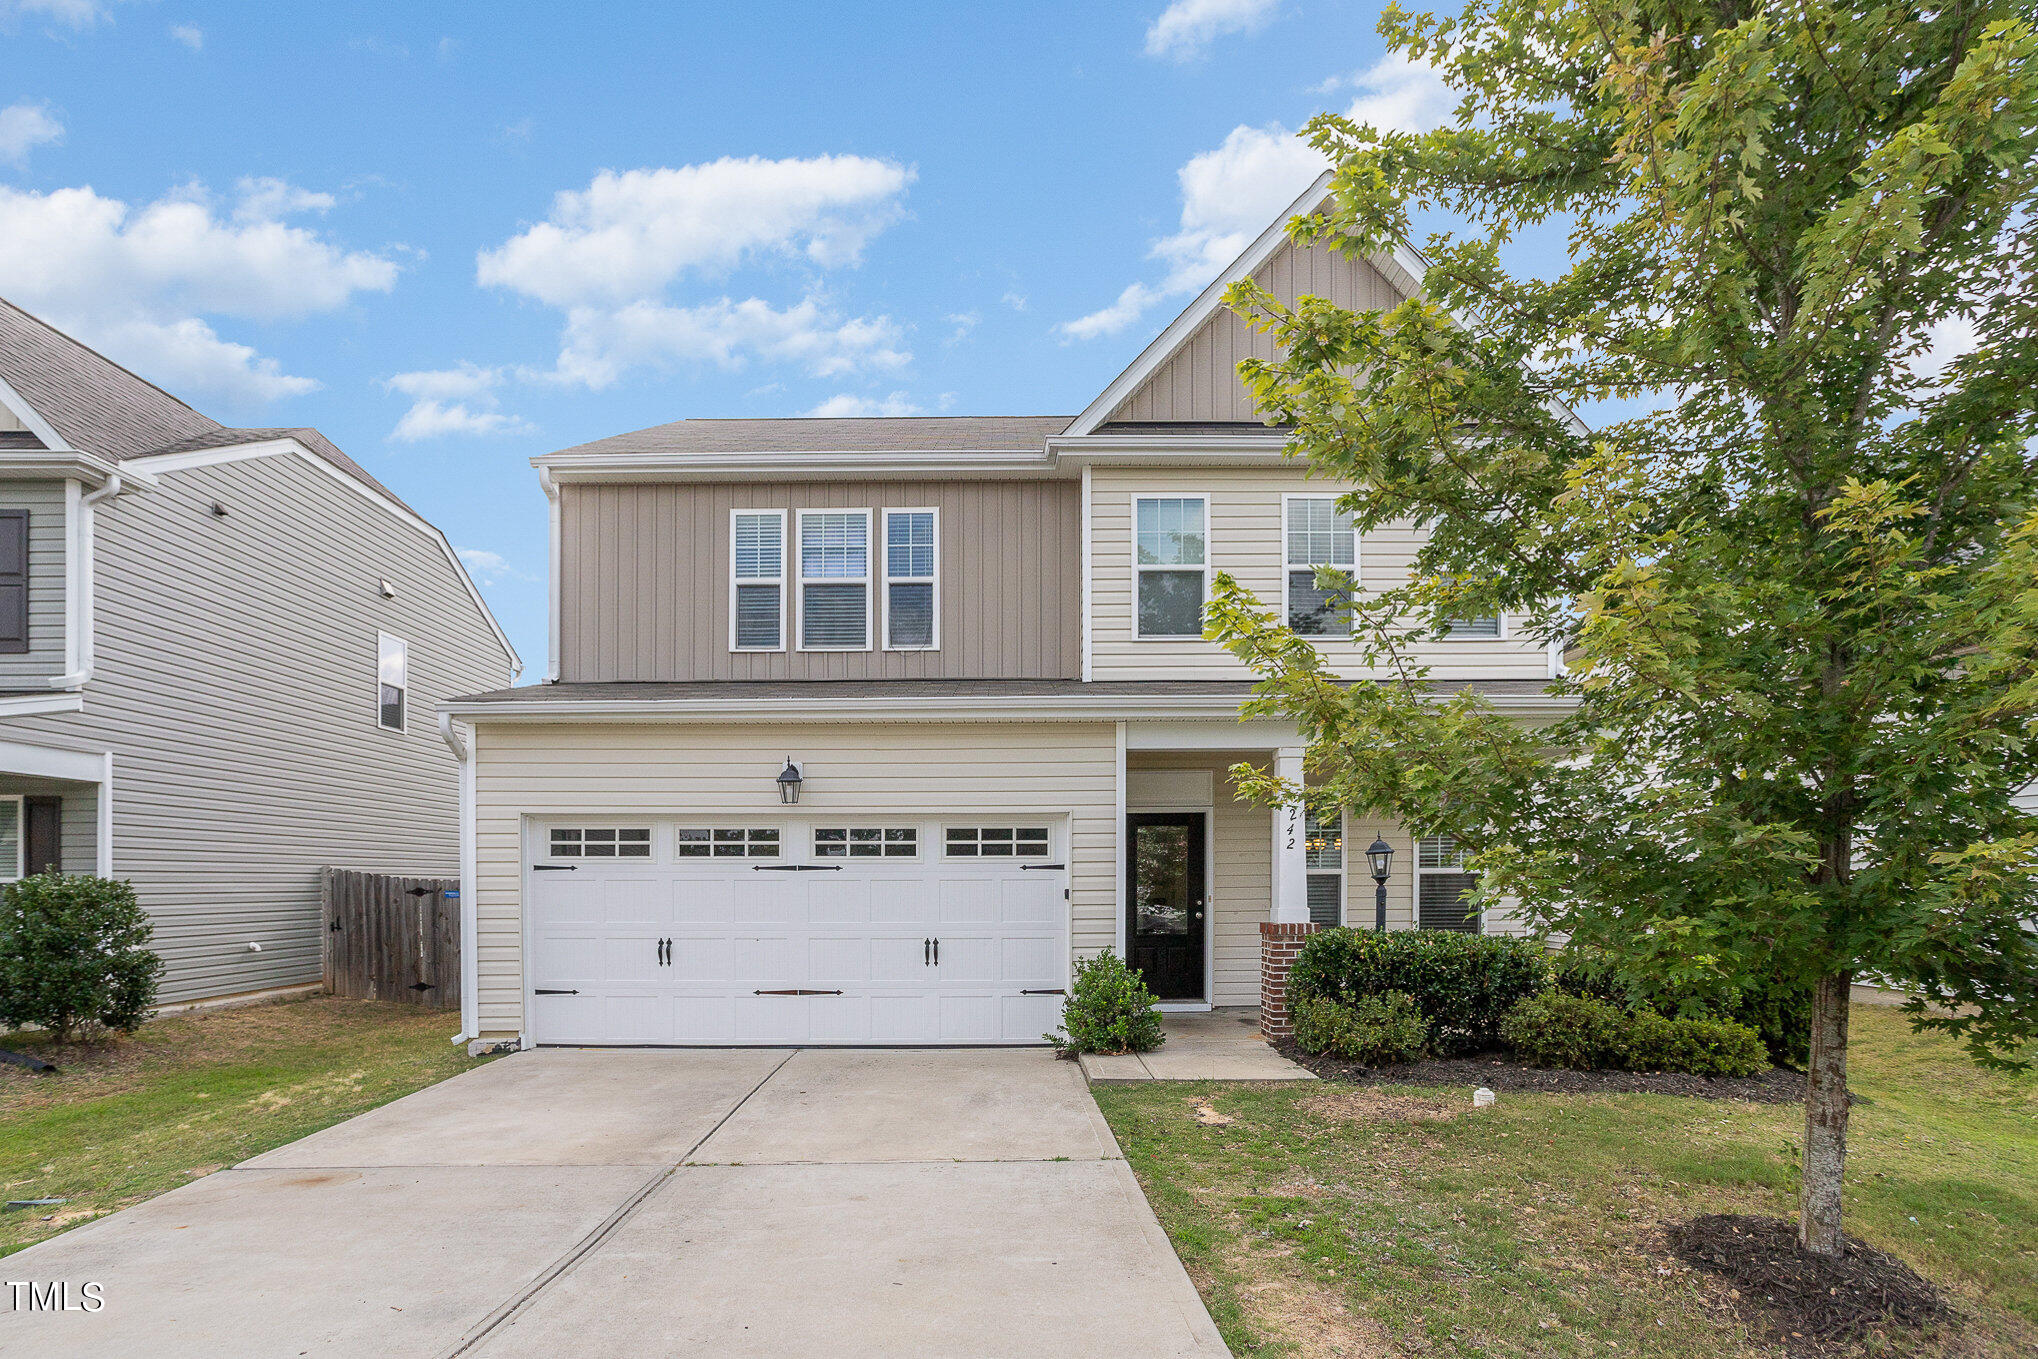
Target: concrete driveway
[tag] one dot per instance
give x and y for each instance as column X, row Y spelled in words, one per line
column 623, row 1203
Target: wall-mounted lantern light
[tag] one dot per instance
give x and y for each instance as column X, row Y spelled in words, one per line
column 789, row 782
column 1380, row 855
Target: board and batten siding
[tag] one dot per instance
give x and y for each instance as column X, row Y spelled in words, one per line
column 614, row 772
column 1246, row 537
column 48, row 567
column 644, row 580
column 1199, row 382
column 236, row 688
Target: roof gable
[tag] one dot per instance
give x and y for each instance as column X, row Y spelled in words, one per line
column 92, row 403
column 1189, row 376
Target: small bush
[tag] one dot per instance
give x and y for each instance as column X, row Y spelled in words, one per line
column 1376, row 1030
column 1109, row 1009
column 1583, row 1033
column 73, row 955
column 1463, row 984
column 1694, row 1047
column 1778, row 1011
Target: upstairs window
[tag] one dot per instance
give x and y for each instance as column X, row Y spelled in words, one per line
column 393, row 680
column 1319, row 534
column 911, row 599
column 1171, row 555
column 1443, row 889
column 757, row 567
column 834, row 580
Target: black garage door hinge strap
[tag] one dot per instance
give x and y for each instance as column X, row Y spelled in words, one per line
column 796, row 991
column 1047, row 991
column 541, row 991
column 1029, row 867
column 554, row 868
column 796, row 868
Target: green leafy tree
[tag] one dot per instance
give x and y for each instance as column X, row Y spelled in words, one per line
column 1798, row 590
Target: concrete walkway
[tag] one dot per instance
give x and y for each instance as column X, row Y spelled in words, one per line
column 651, row 1203
column 1215, row 1045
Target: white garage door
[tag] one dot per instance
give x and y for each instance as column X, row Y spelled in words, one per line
column 823, row 931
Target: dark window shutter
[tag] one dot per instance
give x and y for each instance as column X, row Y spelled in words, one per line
column 13, row 582
column 43, row 834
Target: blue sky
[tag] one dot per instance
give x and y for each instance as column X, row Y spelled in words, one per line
column 456, row 236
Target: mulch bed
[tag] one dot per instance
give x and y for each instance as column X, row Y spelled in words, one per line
column 1503, row 1074
column 1812, row 1303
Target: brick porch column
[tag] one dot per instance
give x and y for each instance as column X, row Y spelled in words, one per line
column 1280, row 941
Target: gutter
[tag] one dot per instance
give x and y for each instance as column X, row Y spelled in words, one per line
column 470, row 966
column 998, row 708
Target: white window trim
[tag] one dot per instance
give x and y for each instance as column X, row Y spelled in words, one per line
column 19, row 868
column 735, row 580
column 1288, row 568
column 1209, row 556
column 1344, row 862
column 403, row 727
column 800, row 574
column 1501, row 634
column 884, row 545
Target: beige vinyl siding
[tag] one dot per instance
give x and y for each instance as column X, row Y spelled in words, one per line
column 644, row 581
column 610, row 771
column 47, row 568
column 235, row 687
column 1246, row 538
column 1200, row 380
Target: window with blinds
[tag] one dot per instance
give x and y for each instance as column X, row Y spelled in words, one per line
column 1319, row 534
column 1323, row 858
column 910, row 623
column 1443, row 889
column 757, row 602
column 834, row 580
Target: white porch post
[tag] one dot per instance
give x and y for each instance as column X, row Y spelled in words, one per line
column 1291, row 881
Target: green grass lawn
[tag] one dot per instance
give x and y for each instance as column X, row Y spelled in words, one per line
column 132, row 1117
column 1343, row 1220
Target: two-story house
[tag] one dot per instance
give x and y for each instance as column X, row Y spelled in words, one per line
column 861, row 730
column 220, row 650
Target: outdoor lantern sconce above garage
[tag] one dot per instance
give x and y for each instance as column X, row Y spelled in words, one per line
column 1380, row 855
column 789, row 782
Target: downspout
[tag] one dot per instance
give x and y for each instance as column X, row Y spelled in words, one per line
column 470, row 969
column 83, row 579
column 551, row 489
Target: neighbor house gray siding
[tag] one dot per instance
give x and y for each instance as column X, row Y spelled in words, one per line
column 44, row 659
column 644, row 581
column 236, row 689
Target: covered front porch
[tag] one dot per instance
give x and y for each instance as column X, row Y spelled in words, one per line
column 55, row 811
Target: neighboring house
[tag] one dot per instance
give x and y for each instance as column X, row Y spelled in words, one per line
column 977, row 642
column 220, row 652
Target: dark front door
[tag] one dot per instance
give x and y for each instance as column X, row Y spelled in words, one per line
column 43, row 836
column 1164, row 886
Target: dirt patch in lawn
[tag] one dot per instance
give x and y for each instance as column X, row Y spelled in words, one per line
column 1812, row 1304
column 1502, row 1073
column 1362, row 1105
column 1310, row 1317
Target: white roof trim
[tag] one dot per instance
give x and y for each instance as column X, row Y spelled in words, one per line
column 723, row 466
column 265, row 448
column 1403, row 269
column 41, row 428
column 27, row 705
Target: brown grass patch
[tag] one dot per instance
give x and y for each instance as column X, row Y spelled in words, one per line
column 1362, row 1104
column 1308, row 1314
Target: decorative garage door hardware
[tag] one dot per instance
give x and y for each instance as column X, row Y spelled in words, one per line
column 930, row 953
column 1046, row 991
column 665, row 953
column 1028, row 868
column 796, row 868
column 796, row 991
column 541, row 991
column 554, row 868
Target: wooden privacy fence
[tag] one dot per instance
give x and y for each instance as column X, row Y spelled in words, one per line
column 390, row 938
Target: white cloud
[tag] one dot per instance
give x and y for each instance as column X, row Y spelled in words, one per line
column 608, row 257
column 963, row 322
column 139, row 282
column 78, row 14
column 452, row 401
column 1232, row 192
column 1016, row 301
column 271, row 200
column 1186, row 28
column 191, row 35
column 846, row 406
column 23, row 127
column 490, row 568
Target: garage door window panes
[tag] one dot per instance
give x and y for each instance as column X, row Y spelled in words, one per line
column 736, row 842
column 996, row 842
column 866, row 842
column 601, row 842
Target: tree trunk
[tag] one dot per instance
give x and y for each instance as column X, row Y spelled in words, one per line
column 1825, row 1118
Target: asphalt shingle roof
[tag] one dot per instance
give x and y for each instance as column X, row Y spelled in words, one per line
column 923, row 433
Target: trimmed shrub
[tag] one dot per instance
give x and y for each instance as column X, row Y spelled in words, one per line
column 1376, row 1030
column 1583, row 1033
column 1694, row 1047
column 1779, row 1012
column 1463, row 984
column 74, row 955
column 1109, row 1010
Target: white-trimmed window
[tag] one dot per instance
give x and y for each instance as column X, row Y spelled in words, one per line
column 912, row 580
column 1323, row 861
column 757, row 580
column 726, row 842
column 601, row 842
column 392, row 680
column 1171, row 551
column 1464, row 629
column 866, row 842
column 1318, row 534
column 995, row 842
column 13, row 851
column 834, row 580
column 1443, row 889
